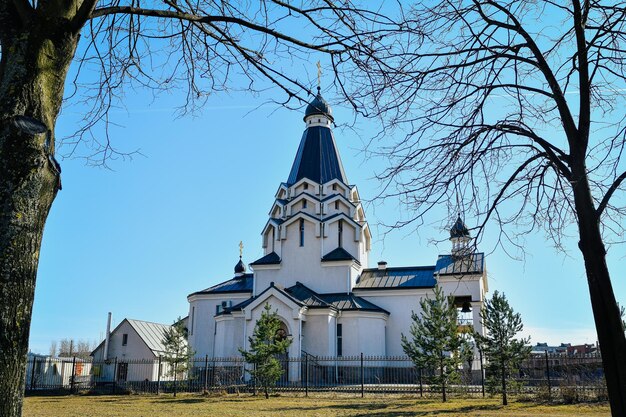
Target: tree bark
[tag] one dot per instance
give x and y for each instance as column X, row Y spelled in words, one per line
column 33, row 67
column 604, row 305
column 503, row 376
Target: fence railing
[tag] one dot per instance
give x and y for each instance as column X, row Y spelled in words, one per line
column 576, row 377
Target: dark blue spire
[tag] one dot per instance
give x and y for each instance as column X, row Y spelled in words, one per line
column 459, row 229
column 317, row 158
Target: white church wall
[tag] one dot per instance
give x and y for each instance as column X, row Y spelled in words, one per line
column 204, row 306
column 228, row 336
column 319, row 333
column 302, row 263
column 399, row 303
column 363, row 332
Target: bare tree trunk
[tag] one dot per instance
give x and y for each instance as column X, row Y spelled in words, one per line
column 443, row 385
column 605, row 310
column 33, row 67
column 503, row 377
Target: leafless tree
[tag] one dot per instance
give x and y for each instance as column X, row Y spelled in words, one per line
column 53, row 348
column 72, row 347
column 513, row 110
column 203, row 46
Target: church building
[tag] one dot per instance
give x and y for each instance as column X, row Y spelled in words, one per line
column 316, row 274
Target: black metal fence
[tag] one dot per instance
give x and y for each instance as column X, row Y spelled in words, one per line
column 570, row 378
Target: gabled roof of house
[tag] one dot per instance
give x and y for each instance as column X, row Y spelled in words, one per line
column 152, row 334
column 271, row 258
column 339, row 254
column 397, row 278
column 233, row 285
column 465, row 264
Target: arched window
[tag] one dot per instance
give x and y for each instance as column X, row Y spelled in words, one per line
column 340, row 227
column 301, row 232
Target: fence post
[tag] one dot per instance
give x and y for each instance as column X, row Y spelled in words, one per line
column 206, row 373
column 159, row 376
column 32, row 374
column 73, row 375
column 548, row 376
column 115, row 375
column 362, row 378
column 306, row 375
column 482, row 372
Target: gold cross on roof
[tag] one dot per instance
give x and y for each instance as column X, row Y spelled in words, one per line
column 240, row 248
column 319, row 75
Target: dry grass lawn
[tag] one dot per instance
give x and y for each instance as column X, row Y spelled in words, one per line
column 327, row 405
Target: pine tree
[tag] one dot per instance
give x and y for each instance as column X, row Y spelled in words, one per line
column 266, row 343
column 177, row 354
column 502, row 351
column 435, row 342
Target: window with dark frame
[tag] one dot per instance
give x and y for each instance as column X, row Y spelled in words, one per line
column 124, row 339
column 303, row 204
column 334, row 186
column 336, row 205
column 340, row 227
column 306, row 186
column 339, row 340
column 301, row 232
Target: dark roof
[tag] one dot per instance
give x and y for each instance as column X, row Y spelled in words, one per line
column 459, row 229
column 397, row 278
column 236, row 284
column 271, row 258
column 339, row 254
column 240, row 267
column 317, row 158
column 338, row 301
column 460, row 264
column 347, row 302
column 319, row 106
column 304, row 296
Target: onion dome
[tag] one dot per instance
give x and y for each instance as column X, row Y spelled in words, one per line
column 240, row 268
column 459, row 229
column 319, row 106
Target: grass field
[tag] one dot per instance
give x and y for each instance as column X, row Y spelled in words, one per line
column 288, row 406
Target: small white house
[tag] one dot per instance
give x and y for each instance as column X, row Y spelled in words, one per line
column 315, row 270
column 132, row 353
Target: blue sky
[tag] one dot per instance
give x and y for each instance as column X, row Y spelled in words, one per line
column 136, row 239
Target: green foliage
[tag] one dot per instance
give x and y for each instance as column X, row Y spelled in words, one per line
column 434, row 341
column 177, row 353
column 502, row 350
column 266, row 343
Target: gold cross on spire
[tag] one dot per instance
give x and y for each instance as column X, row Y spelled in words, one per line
column 240, row 249
column 319, row 75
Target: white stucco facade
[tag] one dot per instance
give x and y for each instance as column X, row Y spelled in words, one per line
column 315, row 270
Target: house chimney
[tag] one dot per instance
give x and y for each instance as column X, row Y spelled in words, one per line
column 106, row 338
column 382, row 265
